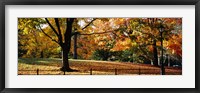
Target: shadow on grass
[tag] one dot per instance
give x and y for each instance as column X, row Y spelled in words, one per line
column 73, row 70
column 40, row 61
column 68, row 70
column 55, row 62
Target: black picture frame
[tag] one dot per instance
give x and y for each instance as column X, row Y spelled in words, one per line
column 3, row 3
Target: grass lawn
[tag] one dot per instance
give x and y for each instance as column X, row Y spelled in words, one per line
column 48, row 66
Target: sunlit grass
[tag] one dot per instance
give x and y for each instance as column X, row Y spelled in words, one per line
column 29, row 66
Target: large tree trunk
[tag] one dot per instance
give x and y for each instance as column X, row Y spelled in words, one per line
column 65, row 66
column 66, row 45
column 155, row 53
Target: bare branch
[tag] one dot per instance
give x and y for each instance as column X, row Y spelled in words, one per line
column 59, row 30
column 54, row 30
column 48, row 35
column 89, row 24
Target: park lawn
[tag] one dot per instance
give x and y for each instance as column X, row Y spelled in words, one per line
column 51, row 66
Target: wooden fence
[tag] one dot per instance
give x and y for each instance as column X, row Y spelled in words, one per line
column 111, row 71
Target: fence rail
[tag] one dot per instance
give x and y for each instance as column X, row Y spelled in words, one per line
column 93, row 71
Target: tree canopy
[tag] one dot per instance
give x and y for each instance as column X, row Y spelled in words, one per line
column 123, row 39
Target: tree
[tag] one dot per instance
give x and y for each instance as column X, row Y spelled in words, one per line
column 64, row 37
column 145, row 35
column 98, row 34
column 32, row 42
column 60, row 32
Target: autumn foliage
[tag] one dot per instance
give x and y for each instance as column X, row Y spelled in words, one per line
column 137, row 40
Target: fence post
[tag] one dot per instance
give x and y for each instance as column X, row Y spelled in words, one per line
column 37, row 71
column 139, row 71
column 91, row 71
column 115, row 71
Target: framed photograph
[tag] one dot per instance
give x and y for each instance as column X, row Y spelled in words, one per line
column 99, row 46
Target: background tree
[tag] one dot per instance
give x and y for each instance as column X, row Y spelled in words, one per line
column 145, row 36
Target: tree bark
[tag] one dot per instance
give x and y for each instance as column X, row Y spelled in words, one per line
column 155, row 53
column 67, row 44
column 75, row 46
column 41, row 54
column 65, row 66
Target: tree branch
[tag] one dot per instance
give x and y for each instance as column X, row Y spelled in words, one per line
column 54, row 30
column 97, row 33
column 89, row 24
column 143, row 51
column 67, row 35
column 48, row 35
column 58, row 26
